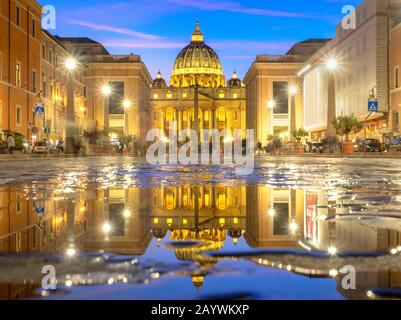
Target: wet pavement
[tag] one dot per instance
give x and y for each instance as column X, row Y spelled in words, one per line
column 117, row 228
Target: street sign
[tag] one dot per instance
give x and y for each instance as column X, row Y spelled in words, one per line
column 373, row 106
column 39, row 108
column 39, row 207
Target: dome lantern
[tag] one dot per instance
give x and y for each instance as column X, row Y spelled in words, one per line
column 197, row 35
column 198, row 64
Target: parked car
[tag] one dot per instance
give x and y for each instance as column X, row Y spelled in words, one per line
column 40, row 147
column 393, row 142
column 315, row 147
column 372, row 145
column 58, row 147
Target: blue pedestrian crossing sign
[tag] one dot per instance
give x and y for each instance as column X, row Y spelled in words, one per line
column 39, row 108
column 373, row 106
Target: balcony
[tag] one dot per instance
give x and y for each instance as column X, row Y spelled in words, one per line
column 117, row 120
column 281, row 119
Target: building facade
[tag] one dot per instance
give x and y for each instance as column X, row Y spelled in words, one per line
column 395, row 77
column 123, row 109
column 269, row 111
column 51, row 124
column 20, row 25
column 362, row 55
column 221, row 105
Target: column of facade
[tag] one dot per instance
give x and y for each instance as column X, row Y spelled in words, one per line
column 162, row 119
column 179, row 120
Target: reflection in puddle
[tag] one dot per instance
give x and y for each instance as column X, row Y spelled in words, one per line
column 150, row 240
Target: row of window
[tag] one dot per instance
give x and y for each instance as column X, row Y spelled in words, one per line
column 18, row 19
column 18, row 115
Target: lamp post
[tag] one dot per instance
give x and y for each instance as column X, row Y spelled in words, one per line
column 106, row 91
column 331, row 66
column 127, row 103
column 70, row 143
column 271, row 105
column 293, row 90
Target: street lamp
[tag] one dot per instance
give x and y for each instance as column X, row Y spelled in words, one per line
column 106, row 90
column 331, row 66
column 271, row 104
column 127, row 104
column 70, row 65
column 293, row 90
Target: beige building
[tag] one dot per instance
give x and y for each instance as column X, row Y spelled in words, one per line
column 361, row 74
column 117, row 89
column 269, row 109
column 395, row 77
column 54, row 78
column 20, row 39
column 221, row 105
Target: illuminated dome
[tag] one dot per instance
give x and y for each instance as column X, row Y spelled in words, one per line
column 234, row 82
column 159, row 82
column 198, row 64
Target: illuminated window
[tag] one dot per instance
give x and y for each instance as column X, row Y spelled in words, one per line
column 184, row 95
column 18, row 242
column 185, row 197
column 18, row 75
column 235, row 95
column 169, row 95
column 155, row 96
column 169, row 200
column 206, row 115
column 169, row 115
column 207, row 199
column 222, row 115
column 221, row 94
column 221, row 201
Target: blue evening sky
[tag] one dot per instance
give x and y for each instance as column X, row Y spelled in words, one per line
column 237, row 29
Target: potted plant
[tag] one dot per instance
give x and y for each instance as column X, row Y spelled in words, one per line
column 346, row 125
column 298, row 135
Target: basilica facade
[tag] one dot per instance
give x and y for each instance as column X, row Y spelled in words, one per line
column 222, row 105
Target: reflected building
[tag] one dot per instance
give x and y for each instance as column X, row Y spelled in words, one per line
column 203, row 219
column 275, row 217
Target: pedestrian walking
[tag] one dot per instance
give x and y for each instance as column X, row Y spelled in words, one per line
column 11, row 143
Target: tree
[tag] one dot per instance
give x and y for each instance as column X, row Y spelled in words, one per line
column 299, row 134
column 345, row 125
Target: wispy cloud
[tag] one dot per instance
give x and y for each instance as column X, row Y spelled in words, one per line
column 236, row 45
column 122, row 31
column 232, row 6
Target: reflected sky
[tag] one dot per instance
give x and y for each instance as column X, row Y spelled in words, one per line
column 118, row 231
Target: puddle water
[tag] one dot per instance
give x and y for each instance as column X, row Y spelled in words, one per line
column 129, row 231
